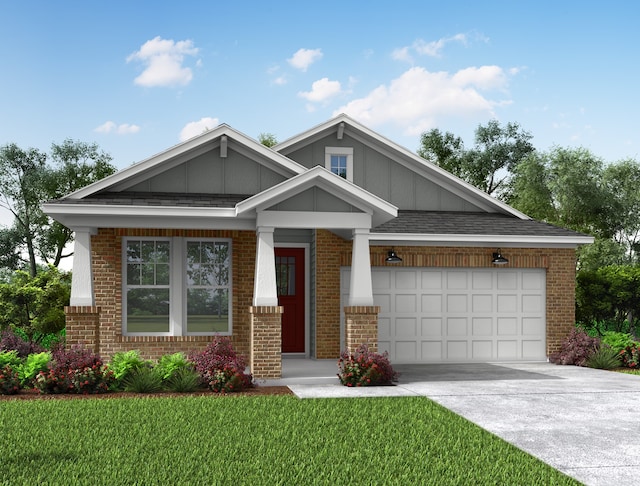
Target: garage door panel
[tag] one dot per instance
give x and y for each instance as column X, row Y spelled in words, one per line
column 457, row 351
column 481, row 303
column 482, row 326
column 453, row 315
column 407, row 349
column 456, row 326
column 431, row 280
column 406, row 303
column 431, row 351
column 432, row 326
column 457, row 302
column 431, row 303
column 406, row 327
column 482, row 350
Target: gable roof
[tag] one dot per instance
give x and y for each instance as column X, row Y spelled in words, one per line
column 342, row 124
column 381, row 211
column 189, row 149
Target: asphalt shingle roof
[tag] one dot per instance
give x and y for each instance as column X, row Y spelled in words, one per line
column 161, row 199
column 467, row 223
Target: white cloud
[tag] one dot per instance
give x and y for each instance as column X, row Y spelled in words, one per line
column 424, row 48
column 303, row 58
column 163, row 60
column 418, row 98
column 193, row 129
column 483, row 77
column 122, row 129
column 321, row 90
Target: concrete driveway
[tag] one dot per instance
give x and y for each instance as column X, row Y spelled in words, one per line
column 583, row 422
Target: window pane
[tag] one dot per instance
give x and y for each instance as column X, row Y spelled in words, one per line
column 162, row 274
column 148, row 310
column 133, row 274
column 207, row 310
column 193, row 252
column 133, row 251
column 148, row 271
column 162, row 251
column 148, row 251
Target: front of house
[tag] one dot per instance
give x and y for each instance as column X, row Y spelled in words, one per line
column 289, row 251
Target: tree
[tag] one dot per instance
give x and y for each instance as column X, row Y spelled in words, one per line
column 22, row 190
column 621, row 182
column 35, row 304
column 488, row 166
column 564, row 187
column 268, row 139
column 26, row 181
column 76, row 165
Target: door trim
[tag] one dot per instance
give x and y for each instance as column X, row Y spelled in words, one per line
column 307, row 293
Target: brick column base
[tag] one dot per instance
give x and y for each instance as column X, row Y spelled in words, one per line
column 83, row 326
column 361, row 327
column 266, row 341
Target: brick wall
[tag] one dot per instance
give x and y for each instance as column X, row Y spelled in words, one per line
column 106, row 249
column 266, row 341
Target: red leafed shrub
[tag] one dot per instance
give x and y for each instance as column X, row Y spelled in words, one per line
column 364, row 368
column 630, row 357
column 575, row 349
column 77, row 370
column 9, row 381
column 9, row 340
column 220, row 367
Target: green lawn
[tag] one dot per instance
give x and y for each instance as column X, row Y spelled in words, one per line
column 255, row 440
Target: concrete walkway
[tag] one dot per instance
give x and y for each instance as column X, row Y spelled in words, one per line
column 583, row 422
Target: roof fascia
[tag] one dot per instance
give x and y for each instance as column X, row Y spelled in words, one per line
column 194, row 146
column 514, row 241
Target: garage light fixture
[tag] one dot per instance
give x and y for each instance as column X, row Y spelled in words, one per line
column 498, row 259
column 392, row 257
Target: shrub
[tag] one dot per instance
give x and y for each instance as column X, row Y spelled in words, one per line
column 125, row 362
column 618, row 340
column 365, row 368
column 143, row 380
column 77, row 370
column 9, row 358
column 170, row 364
column 9, row 380
column 32, row 365
column 220, row 367
column 9, row 341
column 183, row 380
column 630, row 357
column 575, row 349
column 605, row 358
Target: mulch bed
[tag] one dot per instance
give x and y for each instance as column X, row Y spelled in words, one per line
column 255, row 391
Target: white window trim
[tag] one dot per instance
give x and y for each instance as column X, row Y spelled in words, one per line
column 177, row 286
column 348, row 151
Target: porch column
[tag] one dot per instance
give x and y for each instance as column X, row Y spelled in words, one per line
column 82, row 276
column 360, row 286
column 361, row 327
column 264, row 288
column 266, row 315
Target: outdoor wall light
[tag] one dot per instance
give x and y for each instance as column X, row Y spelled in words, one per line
column 498, row 259
column 392, row 257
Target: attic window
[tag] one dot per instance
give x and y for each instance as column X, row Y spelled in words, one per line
column 339, row 160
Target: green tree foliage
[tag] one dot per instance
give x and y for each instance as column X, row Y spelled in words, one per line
column 26, row 181
column 35, row 304
column 497, row 152
column 564, row 187
column 609, row 294
column 268, row 139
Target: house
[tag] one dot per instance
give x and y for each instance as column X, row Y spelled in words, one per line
column 334, row 237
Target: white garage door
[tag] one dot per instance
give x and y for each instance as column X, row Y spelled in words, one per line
column 455, row 315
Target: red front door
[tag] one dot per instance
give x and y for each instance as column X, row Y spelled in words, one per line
column 290, row 283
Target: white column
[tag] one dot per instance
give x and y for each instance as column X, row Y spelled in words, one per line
column 360, row 286
column 265, row 292
column 82, row 276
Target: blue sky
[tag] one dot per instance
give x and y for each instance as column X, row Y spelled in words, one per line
column 138, row 77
